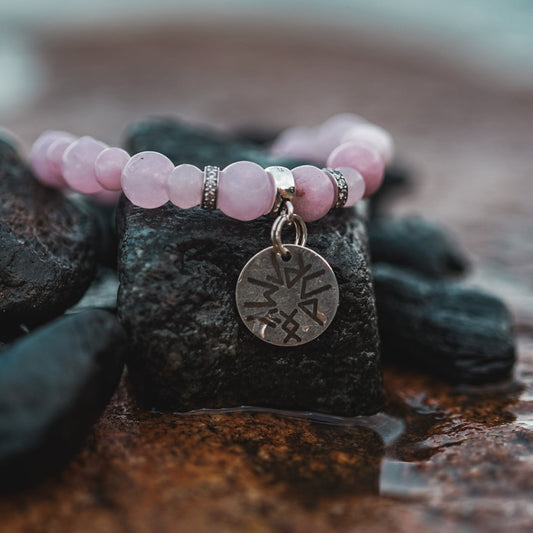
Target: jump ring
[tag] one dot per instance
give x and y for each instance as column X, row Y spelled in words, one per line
column 277, row 227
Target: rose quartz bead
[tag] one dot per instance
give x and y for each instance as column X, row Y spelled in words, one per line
column 108, row 168
column 185, row 186
column 374, row 136
column 39, row 161
column 297, row 143
column 245, row 191
column 364, row 159
column 78, row 164
column 145, row 177
column 329, row 134
column 356, row 185
column 315, row 192
column 54, row 156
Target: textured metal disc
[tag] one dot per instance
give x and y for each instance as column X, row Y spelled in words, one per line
column 287, row 303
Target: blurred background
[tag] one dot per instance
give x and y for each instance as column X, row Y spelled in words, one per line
column 452, row 81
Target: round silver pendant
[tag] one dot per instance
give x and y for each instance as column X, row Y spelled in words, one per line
column 287, row 302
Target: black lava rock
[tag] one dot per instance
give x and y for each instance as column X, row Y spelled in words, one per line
column 190, row 350
column 455, row 332
column 54, row 383
column 47, row 257
column 178, row 270
column 417, row 244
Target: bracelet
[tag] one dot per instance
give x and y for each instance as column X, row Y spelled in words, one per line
column 286, row 294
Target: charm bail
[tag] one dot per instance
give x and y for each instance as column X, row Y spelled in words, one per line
column 284, row 185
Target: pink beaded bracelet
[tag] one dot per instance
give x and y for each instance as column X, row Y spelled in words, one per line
column 354, row 153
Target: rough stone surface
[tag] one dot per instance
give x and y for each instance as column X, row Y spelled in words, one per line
column 47, row 257
column 455, row 332
column 417, row 244
column 54, row 383
column 178, row 270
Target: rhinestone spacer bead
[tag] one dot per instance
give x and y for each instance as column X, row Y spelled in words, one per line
column 342, row 186
column 210, row 187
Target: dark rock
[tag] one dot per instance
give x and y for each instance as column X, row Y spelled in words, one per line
column 417, row 244
column 190, row 350
column 184, row 143
column 47, row 257
column 54, row 383
column 104, row 216
column 259, row 137
column 455, row 332
column 101, row 294
column 397, row 181
column 178, row 270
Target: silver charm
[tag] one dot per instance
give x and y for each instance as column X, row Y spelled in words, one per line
column 287, row 295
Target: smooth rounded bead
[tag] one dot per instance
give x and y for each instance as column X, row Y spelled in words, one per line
column 185, row 186
column 296, row 143
column 329, row 134
column 54, row 156
column 145, row 177
column 374, row 136
column 108, row 168
column 315, row 192
column 245, row 191
column 78, row 164
column 363, row 158
column 39, row 161
column 356, row 185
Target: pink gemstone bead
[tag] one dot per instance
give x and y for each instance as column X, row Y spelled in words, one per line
column 315, row 192
column 356, row 185
column 185, row 186
column 54, row 156
column 364, row 159
column 374, row 136
column 78, row 164
column 329, row 134
column 245, row 191
column 39, row 160
column 297, row 143
column 145, row 177
column 108, row 168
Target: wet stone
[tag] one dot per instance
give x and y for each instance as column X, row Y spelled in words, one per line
column 47, row 257
column 455, row 332
column 54, row 383
column 417, row 244
column 189, row 349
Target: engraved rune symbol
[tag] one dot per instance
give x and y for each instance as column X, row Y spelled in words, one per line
column 287, row 291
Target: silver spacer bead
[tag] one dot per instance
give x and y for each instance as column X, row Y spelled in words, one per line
column 341, row 185
column 210, row 187
column 284, row 185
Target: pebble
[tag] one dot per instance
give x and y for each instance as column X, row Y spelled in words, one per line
column 48, row 255
column 54, row 384
column 447, row 329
